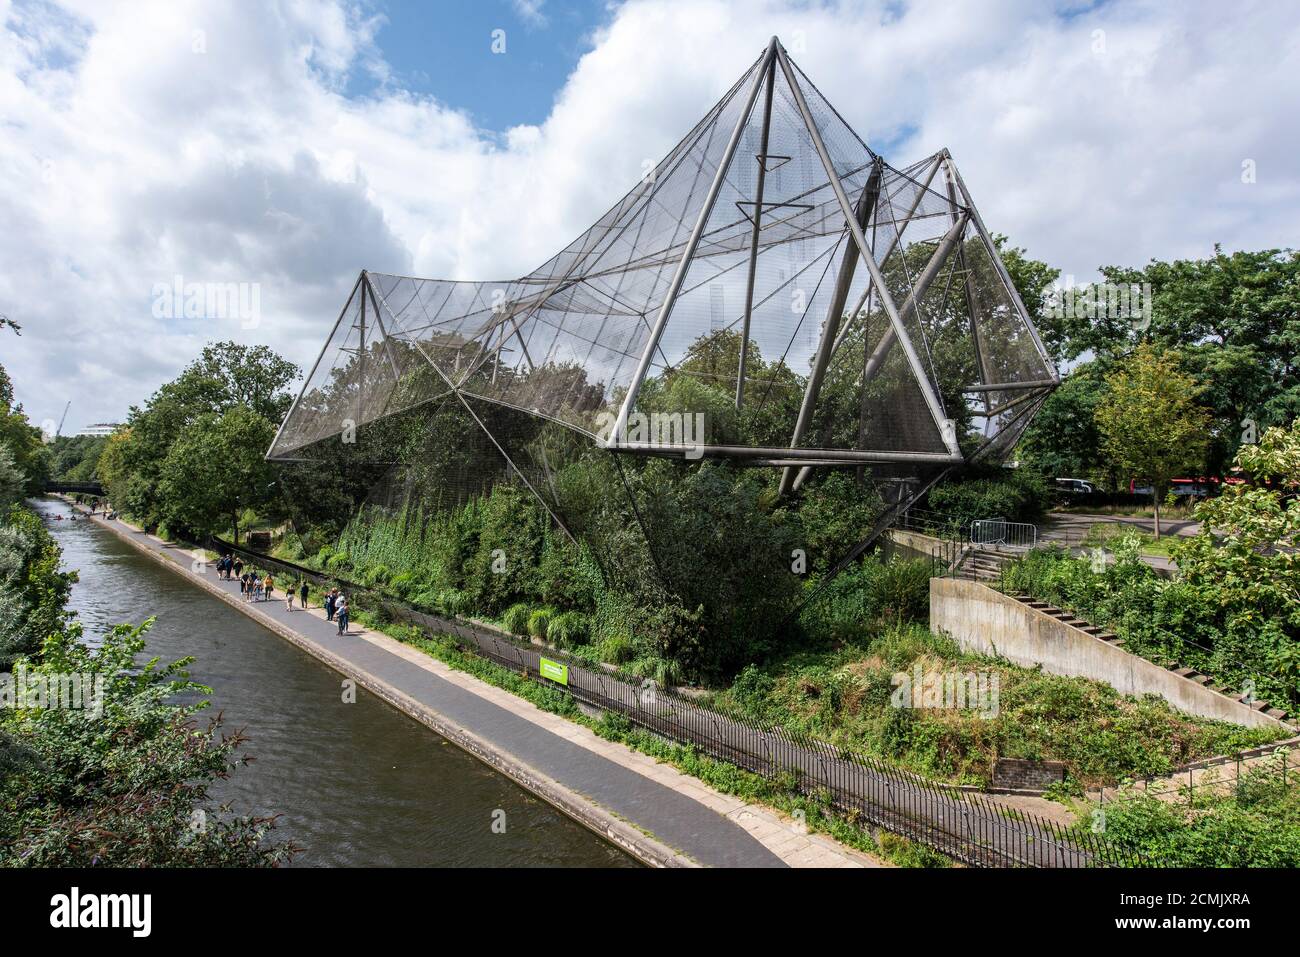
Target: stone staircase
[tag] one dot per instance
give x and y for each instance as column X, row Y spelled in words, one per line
column 1191, row 674
column 985, row 563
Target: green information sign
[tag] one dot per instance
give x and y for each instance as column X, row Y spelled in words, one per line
column 554, row 670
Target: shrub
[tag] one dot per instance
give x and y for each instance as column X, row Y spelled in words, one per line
column 1016, row 495
column 569, row 628
column 515, row 619
column 616, row 649
column 538, row 623
column 902, row 590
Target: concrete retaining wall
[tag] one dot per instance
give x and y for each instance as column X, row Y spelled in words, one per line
column 904, row 543
column 988, row 622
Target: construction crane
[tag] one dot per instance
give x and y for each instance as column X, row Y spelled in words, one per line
column 63, row 419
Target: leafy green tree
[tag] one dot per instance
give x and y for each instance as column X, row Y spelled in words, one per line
column 216, row 469
column 23, row 440
column 33, row 591
column 1150, row 423
column 1234, row 318
column 12, row 481
column 1063, row 441
column 128, row 787
column 1246, row 557
column 225, row 377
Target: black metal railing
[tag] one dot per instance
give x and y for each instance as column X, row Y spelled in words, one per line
column 970, row 828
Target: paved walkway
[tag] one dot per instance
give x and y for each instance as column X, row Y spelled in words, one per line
column 651, row 809
column 1069, row 529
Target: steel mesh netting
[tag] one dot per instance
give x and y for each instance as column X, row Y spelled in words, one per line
column 434, row 390
column 778, row 277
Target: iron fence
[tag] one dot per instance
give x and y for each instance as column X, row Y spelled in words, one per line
column 970, row 828
column 1272, row 764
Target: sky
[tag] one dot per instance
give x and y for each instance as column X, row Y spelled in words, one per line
column 274, row 148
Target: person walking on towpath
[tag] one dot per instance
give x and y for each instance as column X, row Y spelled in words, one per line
column 331, row 599
column 302, row 594
column 239, row 567
column 270, row 587
column 288, row 597
column 341, row 611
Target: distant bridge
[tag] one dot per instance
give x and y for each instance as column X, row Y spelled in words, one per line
column 68, row 488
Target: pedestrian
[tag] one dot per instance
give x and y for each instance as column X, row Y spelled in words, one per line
column 259, row 587
column 331, row 597
column 243, row 588
column 288, row 598
column 341, row 610
column 302, row 594
column 270, row 586
column 239, row 566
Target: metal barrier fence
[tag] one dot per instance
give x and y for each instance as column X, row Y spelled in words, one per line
column 967, row 827
column 998, row 531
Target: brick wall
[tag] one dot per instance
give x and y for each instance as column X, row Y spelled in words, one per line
column 1027, row 775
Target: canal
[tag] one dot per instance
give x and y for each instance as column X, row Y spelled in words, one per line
column 354, row 784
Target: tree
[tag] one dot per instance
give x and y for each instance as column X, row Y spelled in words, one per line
column 1150, row 423
column 1063, row 440
column 226, row 376
column 127, row 783
column 1032, row 277
column 12, row 480
column 1246, row 556
column 33, row 591
column 217, row 469
column 1235, row 319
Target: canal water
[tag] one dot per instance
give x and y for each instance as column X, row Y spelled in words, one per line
column 354, row 784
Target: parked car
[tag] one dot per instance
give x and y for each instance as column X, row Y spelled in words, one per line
column 1074, row 486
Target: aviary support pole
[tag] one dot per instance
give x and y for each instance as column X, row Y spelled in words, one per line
column 679, row 276
column 830, row 328
column 914, row 361
column 754, row 235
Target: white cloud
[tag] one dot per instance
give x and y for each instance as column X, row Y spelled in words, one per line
column 530, row 11
column 126, row 157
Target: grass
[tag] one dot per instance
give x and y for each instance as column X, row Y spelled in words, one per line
column 1176, row 513
column 844, row 696
column 1104, row 534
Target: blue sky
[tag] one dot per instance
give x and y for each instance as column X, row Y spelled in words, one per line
column 443, row 48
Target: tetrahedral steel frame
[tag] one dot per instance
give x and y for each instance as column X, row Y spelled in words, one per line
column 560, row 342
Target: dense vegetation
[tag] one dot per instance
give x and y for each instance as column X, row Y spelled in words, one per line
column 1251, row 822
column 1230, row 321
column 1234, row 609
column 192, row 459
column 706, row 592
column 1017, row 495
column 122, row 778
column 843, row 694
